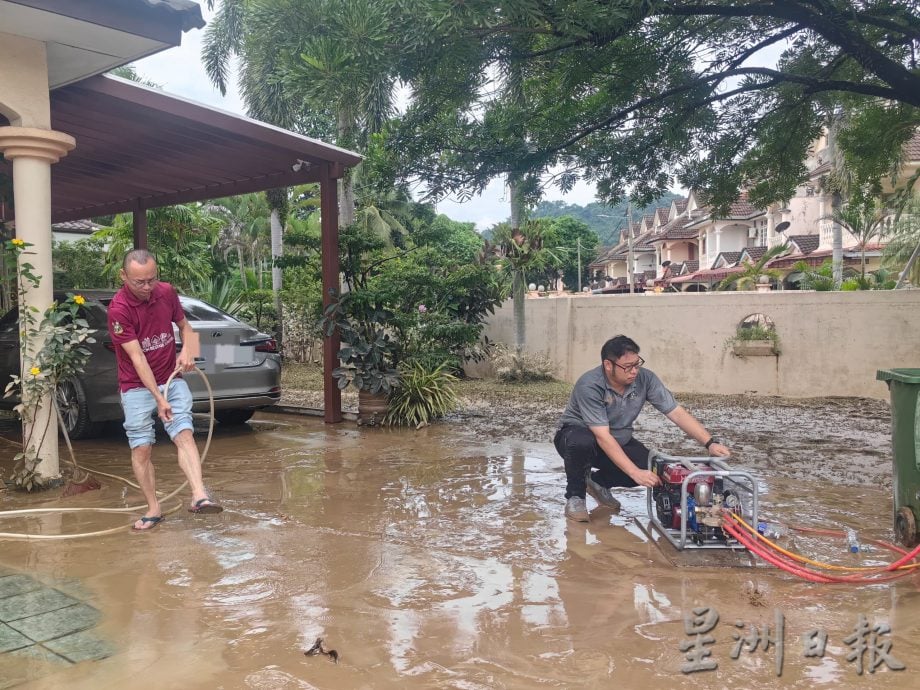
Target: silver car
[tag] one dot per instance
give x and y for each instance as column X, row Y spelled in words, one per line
column 242, row 365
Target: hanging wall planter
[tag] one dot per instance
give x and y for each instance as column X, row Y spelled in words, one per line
column 755, row 336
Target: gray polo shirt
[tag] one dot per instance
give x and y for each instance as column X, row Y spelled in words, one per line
column 594, row 403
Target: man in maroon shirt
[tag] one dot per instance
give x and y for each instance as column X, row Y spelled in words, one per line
column 141, row 317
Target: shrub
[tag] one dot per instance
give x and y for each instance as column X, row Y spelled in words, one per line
column 424, row 394
column 521, row 367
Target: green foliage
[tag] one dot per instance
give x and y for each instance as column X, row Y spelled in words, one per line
column 756, row 332
column 820, row 279
column 752, row 272
column 258, row 308
column 220, row 291
column 424, row 394
column 635, row 96
column 864, row 217
column 904, row 242
column 368, row 356
column 180, row 238
column 53, row 347
column 80, row 264
column 605, row 221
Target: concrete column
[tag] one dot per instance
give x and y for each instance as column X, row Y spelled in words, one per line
column 32, row 152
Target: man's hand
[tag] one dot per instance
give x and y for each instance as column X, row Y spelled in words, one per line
column 186, row 360
column 646, row 478
column 164, row 409
column 719, row 450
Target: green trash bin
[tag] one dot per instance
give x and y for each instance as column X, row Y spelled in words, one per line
column 904, row 388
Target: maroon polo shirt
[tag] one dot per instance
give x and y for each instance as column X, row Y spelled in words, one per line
column 150, row 324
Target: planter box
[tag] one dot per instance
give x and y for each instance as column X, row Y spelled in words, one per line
column 371, row 408
column 754, row 348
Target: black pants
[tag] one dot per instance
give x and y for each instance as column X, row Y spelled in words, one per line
column 580, row 451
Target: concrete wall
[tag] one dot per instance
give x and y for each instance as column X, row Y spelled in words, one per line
column 831, row 343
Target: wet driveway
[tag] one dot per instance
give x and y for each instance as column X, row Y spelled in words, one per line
column 440, row 559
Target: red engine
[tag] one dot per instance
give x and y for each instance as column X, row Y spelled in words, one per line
column 705, row 500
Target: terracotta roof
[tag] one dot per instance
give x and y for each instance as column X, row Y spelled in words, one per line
column 81, row 226
column 806, row 244
column 743, row 208
column 820, row 170
column 677, row 230
column 754, row 253
column 681, row 205
column 912, row 148
column 688, row 267
column 662, row 214
column 644, row 241
column 731, row 258
column 707, row 275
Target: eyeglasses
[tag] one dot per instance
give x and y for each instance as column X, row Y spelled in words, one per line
column 629, row 368
column 143, row 283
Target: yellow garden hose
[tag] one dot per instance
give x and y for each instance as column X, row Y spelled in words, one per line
column 129, row 509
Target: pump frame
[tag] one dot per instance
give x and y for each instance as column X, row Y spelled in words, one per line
column 678, row 537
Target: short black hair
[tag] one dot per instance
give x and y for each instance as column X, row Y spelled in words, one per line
column 618, row 346
column 139, row 256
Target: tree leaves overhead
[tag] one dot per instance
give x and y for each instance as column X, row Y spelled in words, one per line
column 640, row 95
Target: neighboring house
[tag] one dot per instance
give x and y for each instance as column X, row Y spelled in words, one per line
column 704, row 247
column 73, row 230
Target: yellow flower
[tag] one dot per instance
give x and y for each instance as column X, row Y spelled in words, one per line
column 35, row 371
column 79, row 299
column 18, row 242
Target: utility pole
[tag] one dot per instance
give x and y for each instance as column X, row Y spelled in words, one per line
column 629, row 247
column 579, row 264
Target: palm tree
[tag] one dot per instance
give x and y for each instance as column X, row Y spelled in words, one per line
column 753, row 271
column 864, row 221
column 181, row 238
column 521, row 251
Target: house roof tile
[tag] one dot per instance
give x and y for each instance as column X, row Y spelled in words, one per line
column 806, row 244
column 754, row 253
column 730, row 258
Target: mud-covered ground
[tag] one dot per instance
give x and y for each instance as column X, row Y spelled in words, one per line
column 846, row 440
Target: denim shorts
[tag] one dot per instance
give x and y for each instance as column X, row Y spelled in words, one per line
column 139, row 406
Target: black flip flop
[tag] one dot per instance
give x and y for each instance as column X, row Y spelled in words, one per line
column 151, row 521
column 205, row 506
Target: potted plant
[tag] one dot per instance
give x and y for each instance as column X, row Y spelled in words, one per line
column 755, row 340
column 366, row 357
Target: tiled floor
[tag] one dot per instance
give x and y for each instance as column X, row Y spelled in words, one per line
column 42, row 628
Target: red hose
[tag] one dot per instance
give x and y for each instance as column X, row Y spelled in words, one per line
column 784, row 563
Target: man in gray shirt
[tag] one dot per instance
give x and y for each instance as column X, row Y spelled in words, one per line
column 596, row 428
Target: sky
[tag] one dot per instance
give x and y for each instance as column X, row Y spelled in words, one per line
column 179, row 71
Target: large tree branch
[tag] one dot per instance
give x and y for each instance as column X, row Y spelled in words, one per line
column 827, row 22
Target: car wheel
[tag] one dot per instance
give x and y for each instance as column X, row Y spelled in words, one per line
column 233, row 417
column 71, row 401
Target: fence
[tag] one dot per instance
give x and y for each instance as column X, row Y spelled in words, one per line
column 831, row 343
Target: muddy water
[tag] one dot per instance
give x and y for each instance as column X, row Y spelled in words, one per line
column 440, row 559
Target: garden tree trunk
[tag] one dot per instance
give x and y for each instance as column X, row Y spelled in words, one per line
column 837, row 256
column 517, row 280
column 239, row 256
column 276, row 270
column 346, row 185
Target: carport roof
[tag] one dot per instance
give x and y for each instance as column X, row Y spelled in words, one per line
column 139, row 147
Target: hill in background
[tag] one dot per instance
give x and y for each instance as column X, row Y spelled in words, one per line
column 606, row 221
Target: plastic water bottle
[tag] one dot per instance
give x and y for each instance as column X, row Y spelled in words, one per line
column 852, row 541
column 771, row 530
